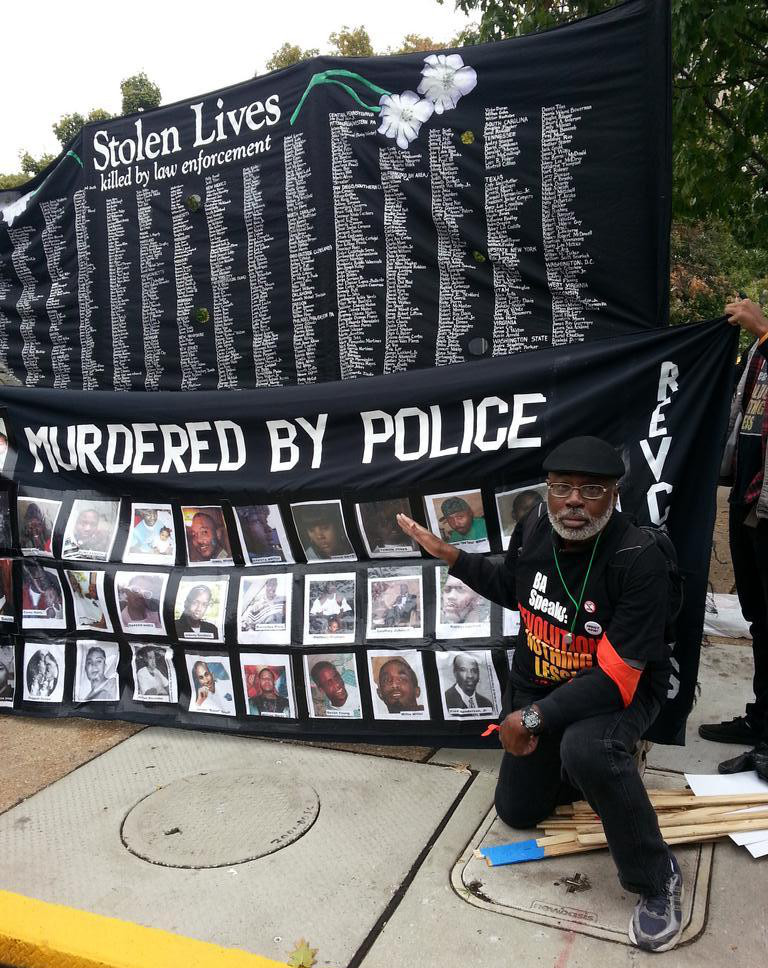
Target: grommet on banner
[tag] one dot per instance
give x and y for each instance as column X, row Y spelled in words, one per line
column 201, row 315
column 193, row 203
column 478, row 346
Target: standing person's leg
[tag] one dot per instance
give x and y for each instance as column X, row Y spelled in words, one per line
column 759, row 711
column 597, row 755
column 749, row 558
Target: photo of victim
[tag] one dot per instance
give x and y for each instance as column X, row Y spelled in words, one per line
column 512, row 507
column 87, row 589
column 262, row 535
column 205, row 532
column 397, row 682
column 96, row 678
column 268, row 685
column 381, row 534
column 3, row 443
column 7, row 675
column 42, row 597
column 461, row 612
column 140, row 596
column 37, row 519
column 469, row 687
column 152, row 535
column 154, row 676
column 44, row 671
column 210, row 681
column 200, row 609
column 321, row 530
column 510, row 622
column 264, row 609
column 329, row 609
column 394, row 605
column 6, row 539
column 91, row 529
column 458, row 518
column 7, row 611
column 332, row 688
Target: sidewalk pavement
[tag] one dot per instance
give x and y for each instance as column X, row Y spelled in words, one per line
column 254, row 844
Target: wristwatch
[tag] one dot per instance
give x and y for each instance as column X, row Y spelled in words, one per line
column 531, row 720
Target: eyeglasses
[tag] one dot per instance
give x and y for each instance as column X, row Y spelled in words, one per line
column 589, row 492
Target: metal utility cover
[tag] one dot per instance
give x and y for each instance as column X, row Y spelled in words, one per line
column 539, row 891
column 331, row 882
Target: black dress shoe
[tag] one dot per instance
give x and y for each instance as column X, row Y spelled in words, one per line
column 736, row 730
column 755, row 759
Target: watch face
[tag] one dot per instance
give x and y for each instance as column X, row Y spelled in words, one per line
column 531, row 719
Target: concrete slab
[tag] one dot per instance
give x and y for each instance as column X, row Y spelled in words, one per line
column 329, row 886
column 541, row 893
column 725, row 677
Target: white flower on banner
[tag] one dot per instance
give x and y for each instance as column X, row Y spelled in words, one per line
column 445, row 79
column 402, row 115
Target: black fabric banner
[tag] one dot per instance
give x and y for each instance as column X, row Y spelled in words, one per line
column 352, row 217
column 153, row 522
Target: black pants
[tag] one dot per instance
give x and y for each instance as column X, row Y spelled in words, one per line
column 592, row 759
column 749, row 553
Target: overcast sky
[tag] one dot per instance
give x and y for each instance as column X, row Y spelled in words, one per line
column 56, row 58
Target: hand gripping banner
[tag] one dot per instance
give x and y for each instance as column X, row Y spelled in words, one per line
column 232, row 561
column 349, row 217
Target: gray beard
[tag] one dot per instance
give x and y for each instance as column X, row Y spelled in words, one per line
column 591, row 528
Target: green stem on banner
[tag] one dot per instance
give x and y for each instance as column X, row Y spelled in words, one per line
column 329, row 77
column 353, row 94
column 71, row 154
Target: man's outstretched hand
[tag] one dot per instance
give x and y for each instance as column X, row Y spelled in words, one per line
column 429, row 542
column 747, row 314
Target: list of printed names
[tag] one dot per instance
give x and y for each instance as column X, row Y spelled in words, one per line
column 565, row 253
column 504, row 200
column 359, row 265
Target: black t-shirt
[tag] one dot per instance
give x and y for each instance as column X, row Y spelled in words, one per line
column 749, row 449
column 617, row 634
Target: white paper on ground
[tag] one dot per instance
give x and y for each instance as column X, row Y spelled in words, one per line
column 758, row 850
column 715, row 785
column 723, row 617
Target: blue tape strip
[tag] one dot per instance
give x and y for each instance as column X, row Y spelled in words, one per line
column 517, row 853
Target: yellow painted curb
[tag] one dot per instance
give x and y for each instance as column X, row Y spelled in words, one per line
column 36, row 934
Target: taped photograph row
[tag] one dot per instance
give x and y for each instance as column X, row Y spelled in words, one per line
column 90, row 529
column 397, row 685
column 139, row 603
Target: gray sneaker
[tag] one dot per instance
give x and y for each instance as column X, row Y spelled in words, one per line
column 657, row 921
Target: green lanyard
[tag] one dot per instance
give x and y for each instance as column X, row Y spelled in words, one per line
column 569, row 636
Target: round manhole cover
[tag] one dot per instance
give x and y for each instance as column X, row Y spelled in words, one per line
column 218, row 819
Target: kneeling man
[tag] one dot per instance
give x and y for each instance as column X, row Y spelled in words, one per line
column 590, row 669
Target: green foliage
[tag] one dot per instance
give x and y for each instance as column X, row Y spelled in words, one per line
column 69, row 125
column 290, row 54
column 349, row 42
column 413, row 43
column 139, row 94
column 12, row 181
column 720, row 98
column 32, row 166
column 708, row 267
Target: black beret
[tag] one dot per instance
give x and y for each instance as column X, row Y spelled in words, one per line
column 585, row 455
column 454, row 505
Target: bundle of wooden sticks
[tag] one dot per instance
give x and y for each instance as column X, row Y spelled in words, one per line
column 683, row 819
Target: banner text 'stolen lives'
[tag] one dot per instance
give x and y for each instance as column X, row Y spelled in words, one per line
column 272, row 234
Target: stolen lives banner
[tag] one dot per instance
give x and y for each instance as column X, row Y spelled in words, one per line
column 351, row 217
column 232, row 561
